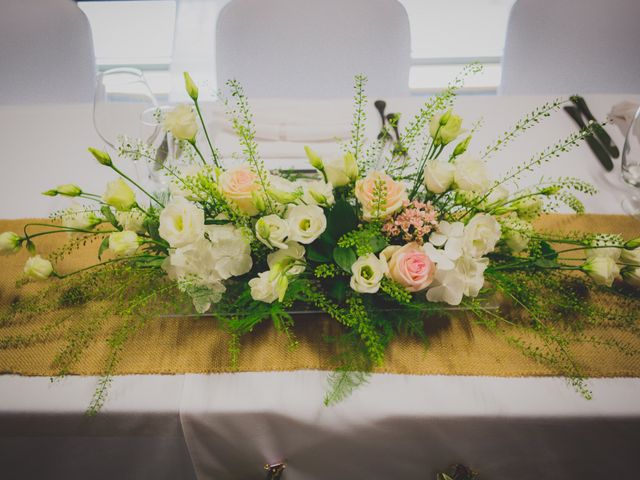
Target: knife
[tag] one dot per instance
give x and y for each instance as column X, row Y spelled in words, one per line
column 380, row 106
column 600, row 132
column 596, row 147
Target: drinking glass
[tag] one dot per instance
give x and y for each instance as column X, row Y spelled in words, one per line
column 631, row 167
column 121, row 97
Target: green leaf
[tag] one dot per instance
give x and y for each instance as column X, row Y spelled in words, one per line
column 103, row 246
column 344, row 257
column 342, row 218
column 547, row 251
column 31, row 247
column 152, row 227
column 545, row 263
column 111, row 218
column 378, row 243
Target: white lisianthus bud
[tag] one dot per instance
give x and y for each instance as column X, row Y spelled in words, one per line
column 124, row 244
column 80, row 217
column 462, row 147
column 190, row 86
column 317, row 192
column 631, row 257
column 306, row 223
column 631, row 275
column 314, row 159
column 603, row 270
column 69, row 190
column 528, row 208
column 282, row 196
column 289, row 260
column 342, row 171
column 445, row 128
column 471, row 174
column 9, row 243
column 272, row 231
column 102, row 157
column 132, row 220
column 480, row 235
column 38, row 268
column 264, row 288
column 119, row 195
column 181, row 222
column 181, row 122
column 438, row 176
column 367, row 273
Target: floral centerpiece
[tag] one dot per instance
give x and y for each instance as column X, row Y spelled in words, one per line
column 376, row 238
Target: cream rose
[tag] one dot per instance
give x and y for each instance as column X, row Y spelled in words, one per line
column 272, row 231
column 341, row 171
column 238, row 185
column 394, row 195
column 38, row 268
column 438, row 176
column 306, row 223
column 470, row 174
column 119, row 195
column 481, row 235
column 181, row 222
column 124, row 244
column 603, row 270
column 410, row 266
column 181, row 122
column 367, row 273
column 9, row 243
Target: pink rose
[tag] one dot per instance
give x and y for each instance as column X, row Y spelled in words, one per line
column 410, row 266
column 392, row 201
column 238, row 184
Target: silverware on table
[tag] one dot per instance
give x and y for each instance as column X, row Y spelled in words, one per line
column 596, row 147
column 599, row 131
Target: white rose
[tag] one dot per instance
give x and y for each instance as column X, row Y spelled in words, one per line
column 9, row 243
column 317, row 192
column 632, row 276
column 631, row 257
column 133, row 220
column 603, row 270
column 289, row 260
column 124, row 244
column 264, row 288
column 38, row 268
column 119, row 195
column 181, row 122
column 181, row 222
column 481, row 235
column 341, row 171
column 306, row 223
column 79, row 217
column 470, row 174
column 367, row 273
column 438, row 176
column 232, row 251
column 272, row 231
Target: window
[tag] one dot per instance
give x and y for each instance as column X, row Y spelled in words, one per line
column 445, row 35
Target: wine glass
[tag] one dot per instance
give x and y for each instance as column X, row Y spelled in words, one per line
column 631, row 167
column 121, row 97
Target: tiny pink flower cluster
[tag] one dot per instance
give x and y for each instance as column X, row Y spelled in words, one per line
column 413, row 223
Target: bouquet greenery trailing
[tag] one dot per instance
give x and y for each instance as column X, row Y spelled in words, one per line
column 390, row 231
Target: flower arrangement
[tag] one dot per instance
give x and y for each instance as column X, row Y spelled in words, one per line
column 376, row 238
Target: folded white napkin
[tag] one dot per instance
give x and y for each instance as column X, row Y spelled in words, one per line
column 291, row 121
column 622, row 115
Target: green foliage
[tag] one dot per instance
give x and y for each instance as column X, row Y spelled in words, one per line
column 365, row 239
column 395, row 290
column 342, row 383
column 344, row 257
column 359, row 119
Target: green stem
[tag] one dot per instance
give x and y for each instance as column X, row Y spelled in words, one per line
column 119, row 172
column 195, row 147
column 121, row 259
column 206, row 134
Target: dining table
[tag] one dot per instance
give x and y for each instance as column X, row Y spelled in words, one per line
column 195, row 425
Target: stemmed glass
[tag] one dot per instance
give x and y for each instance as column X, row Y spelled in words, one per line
column 122, row 96
column 631, row 167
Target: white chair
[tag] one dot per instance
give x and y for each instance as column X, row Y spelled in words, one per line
column 46, row 52
column 572, row 46
column 313, row 48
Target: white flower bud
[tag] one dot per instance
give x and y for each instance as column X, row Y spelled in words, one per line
column 124, row 244
column 438, row 176
column 119, row 195
column 9, row 243
column 38, row 268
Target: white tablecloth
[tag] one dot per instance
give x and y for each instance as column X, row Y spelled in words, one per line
column 228, row 426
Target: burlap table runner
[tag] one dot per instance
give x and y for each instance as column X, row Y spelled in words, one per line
column 197, row 345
